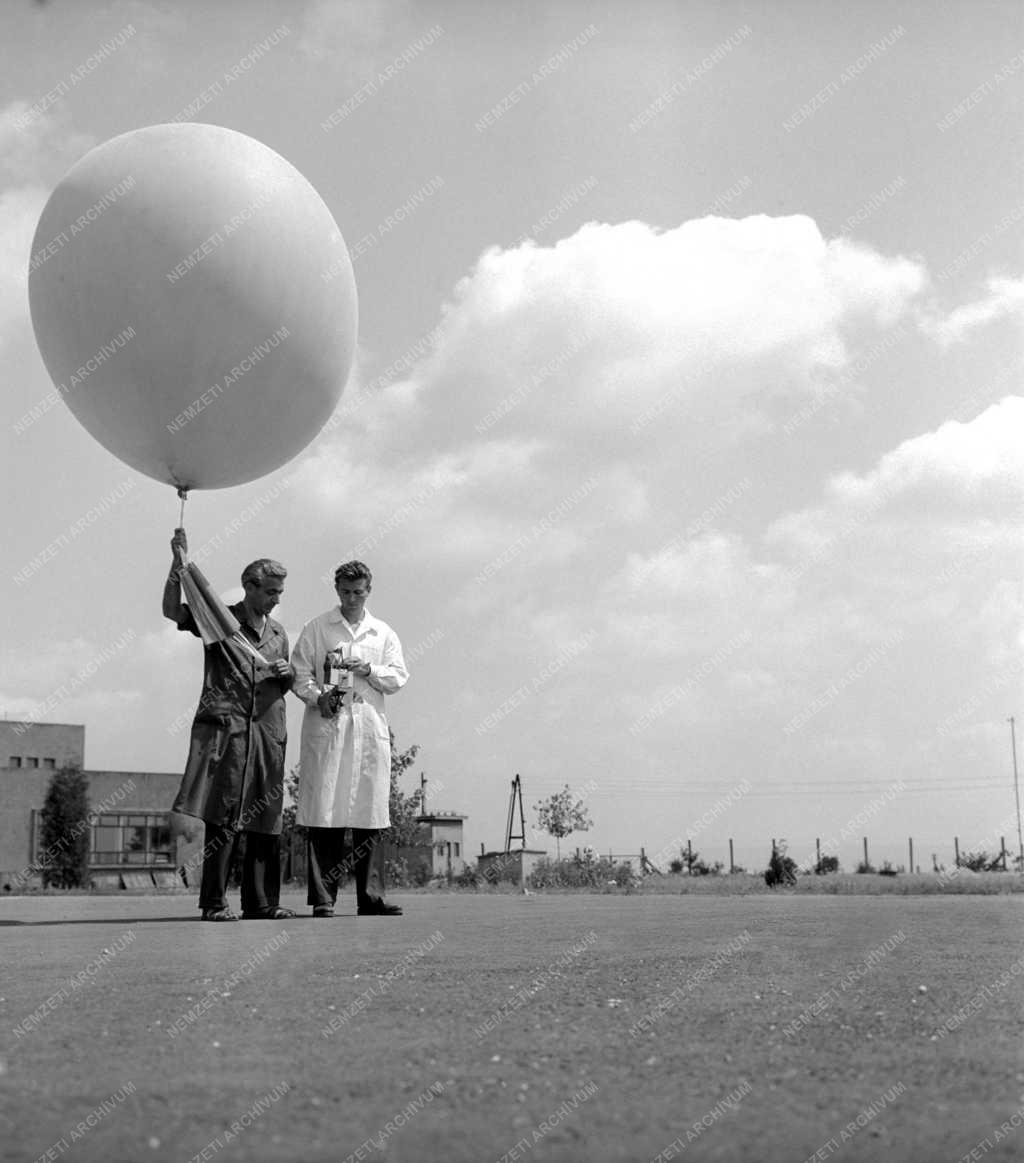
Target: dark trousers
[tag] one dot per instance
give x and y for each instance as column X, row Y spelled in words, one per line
column 261, row 869
column 331, row 860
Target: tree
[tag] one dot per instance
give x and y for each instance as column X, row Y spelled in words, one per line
column 560, row 816
column 406, row 831
column 65, row 832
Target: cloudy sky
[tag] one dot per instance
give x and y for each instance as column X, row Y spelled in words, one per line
column 683, row 434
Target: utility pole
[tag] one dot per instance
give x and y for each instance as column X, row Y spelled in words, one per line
column 515, row 800
column 1016, row 792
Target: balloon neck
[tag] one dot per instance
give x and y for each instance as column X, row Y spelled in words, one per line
column 183, row 494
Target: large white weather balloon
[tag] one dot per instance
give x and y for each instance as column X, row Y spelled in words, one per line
column 194, row 303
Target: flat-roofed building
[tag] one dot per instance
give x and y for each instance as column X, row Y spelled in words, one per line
column 129, row 822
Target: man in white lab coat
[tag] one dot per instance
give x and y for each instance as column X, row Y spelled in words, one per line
column 345, row 757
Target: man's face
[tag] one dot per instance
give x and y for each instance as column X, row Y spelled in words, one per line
column 264, row 596
column 352, row 596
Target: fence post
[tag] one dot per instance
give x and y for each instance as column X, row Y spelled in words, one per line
column 732, row 863
column 956, row 849
column 1002, row 850
column 910, row 842
column 866, row 861
column 689, row 859
column 817, row 850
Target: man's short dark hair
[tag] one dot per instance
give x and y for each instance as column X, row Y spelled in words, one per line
column 353, row 571
column 261, row 569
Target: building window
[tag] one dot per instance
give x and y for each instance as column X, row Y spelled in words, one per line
column 456, row 847
column 15, row 761
column 142, row 838
column 32, row 761
column 50, row 764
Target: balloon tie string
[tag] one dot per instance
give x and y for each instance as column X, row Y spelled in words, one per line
column 183, row 493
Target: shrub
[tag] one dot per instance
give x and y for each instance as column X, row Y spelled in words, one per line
column 396, row 872
column 981, row 862
column 826, row 865
column 696, row 866
column 781, row 868
column 702, row 869
column 400, row 873
column 865, row 867
column 469, row 878
column 587, row 870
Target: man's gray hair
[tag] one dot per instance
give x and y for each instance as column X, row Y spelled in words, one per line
column 264, row 567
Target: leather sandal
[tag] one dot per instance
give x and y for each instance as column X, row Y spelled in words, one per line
column 274, row 914
column 224, row 914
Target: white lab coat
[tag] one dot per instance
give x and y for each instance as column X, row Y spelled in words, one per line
column 345, row 762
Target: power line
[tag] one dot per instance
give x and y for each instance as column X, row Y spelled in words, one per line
column 683, row 789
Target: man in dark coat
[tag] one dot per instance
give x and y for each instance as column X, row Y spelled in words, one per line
column 234, row 775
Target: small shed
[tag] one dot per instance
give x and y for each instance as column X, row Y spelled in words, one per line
column 447, row 857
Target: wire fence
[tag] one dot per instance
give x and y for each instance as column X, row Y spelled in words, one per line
column 813, row 856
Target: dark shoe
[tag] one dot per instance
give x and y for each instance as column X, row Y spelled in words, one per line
column 380, row 909
column 323, row 911
column 224, row 914
column 275, row 914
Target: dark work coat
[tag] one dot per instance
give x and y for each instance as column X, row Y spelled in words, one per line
column 234, row 776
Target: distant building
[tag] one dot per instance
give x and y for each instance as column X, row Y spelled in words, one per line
column 446, row 844
column 442, row 852
column 447, row 848
column 130, row 835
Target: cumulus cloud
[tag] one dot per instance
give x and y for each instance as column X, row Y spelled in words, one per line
column 627, row 314
column 951, row 473
column 908, row 572
column 1005, row 299
column 623, row 354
